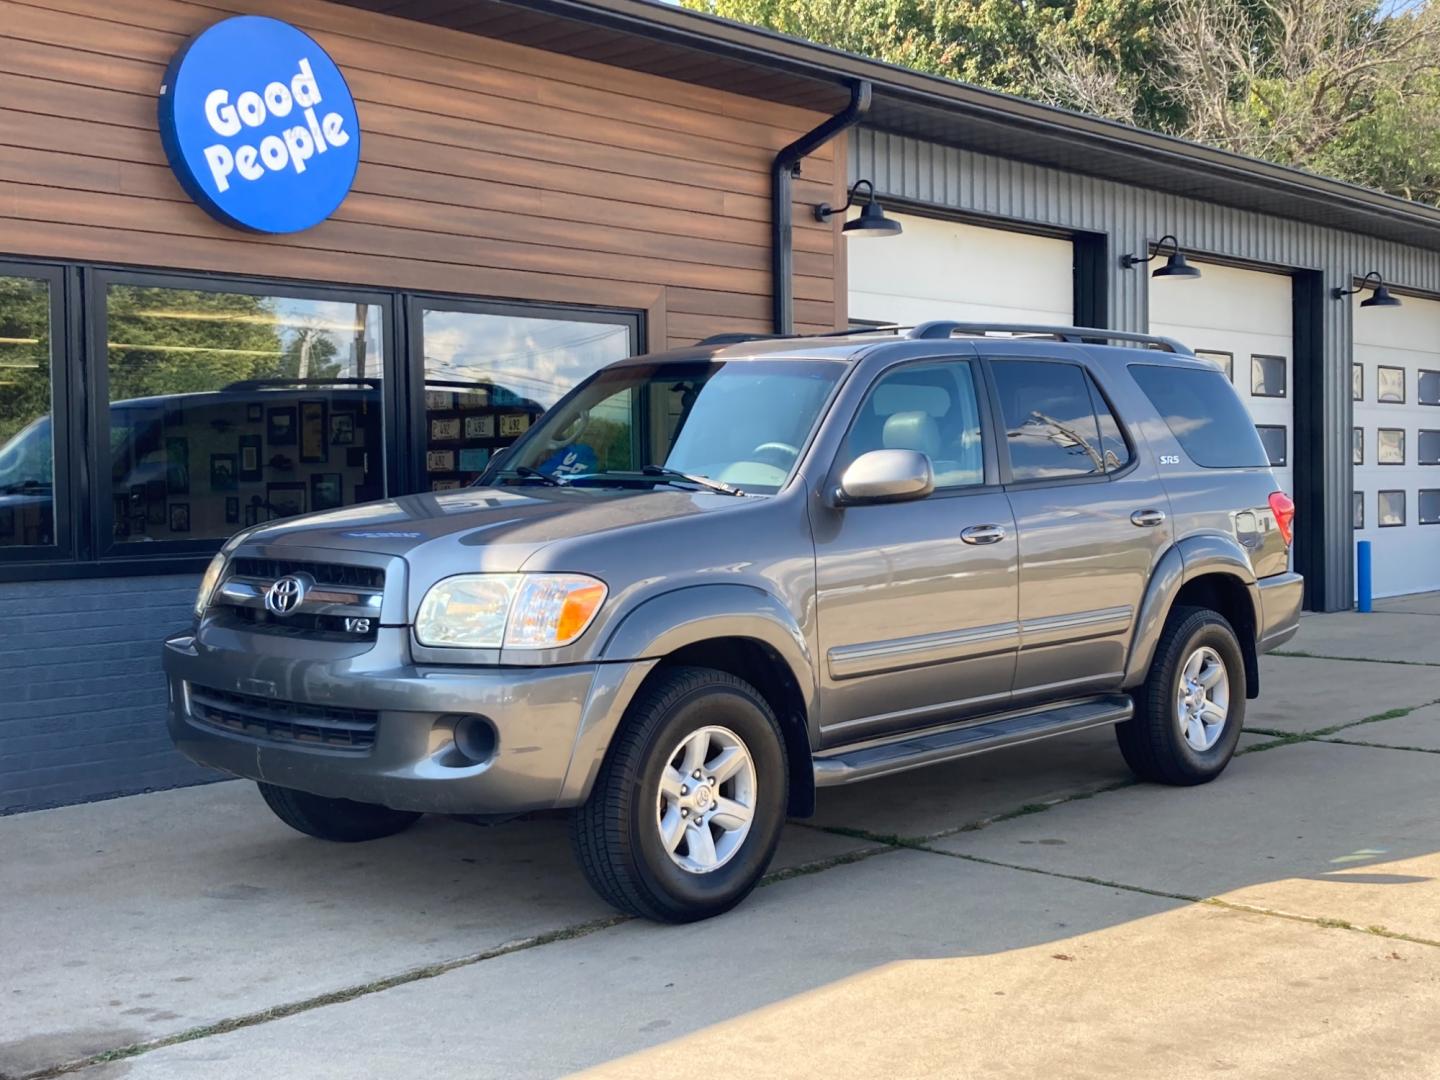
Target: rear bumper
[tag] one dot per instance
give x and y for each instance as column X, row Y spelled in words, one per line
column 552, row 724
column 1280, row 600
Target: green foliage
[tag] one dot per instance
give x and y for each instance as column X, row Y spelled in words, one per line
column 24, row 354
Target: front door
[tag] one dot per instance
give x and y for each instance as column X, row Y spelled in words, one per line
column 1093, row 521
column 916, row 601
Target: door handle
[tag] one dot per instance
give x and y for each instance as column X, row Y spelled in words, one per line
column 983, row 534
column 1147, row 519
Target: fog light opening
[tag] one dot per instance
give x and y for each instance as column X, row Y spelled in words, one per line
column 475, row 738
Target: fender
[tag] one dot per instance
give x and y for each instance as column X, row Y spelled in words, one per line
column 1190, row 558
column 656, row 627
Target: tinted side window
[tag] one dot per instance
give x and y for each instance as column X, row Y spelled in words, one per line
column 1204, row 414
column 1050, row 424
column 933, row 408
column 1112, row 443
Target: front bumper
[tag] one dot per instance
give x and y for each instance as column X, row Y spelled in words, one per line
column 1281, row 597
column 552, row 724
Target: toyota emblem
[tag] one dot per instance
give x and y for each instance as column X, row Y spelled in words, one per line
column 287, row 594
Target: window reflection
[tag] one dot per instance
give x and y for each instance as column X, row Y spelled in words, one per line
column 27, row 462
column 231, row 409
column 489, row 376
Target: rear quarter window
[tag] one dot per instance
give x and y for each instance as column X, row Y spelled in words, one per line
column 1204, row 414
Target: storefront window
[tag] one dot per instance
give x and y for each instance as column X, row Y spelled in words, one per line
column 230, row 409
column 27, row 454
column 488, row 376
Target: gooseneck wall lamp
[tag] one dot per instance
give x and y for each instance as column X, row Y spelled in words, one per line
column 872, row 220
column 1175, row 266
column 1380, row 298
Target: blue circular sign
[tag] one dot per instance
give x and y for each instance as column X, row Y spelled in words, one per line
column 259, row 125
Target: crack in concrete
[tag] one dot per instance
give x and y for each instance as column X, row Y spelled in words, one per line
column 1382, row 746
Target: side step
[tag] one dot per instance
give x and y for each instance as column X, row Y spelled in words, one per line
column 846, row 765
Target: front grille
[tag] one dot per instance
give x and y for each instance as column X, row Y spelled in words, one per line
column 334, row 574
column 289, row 722
column 299, row 625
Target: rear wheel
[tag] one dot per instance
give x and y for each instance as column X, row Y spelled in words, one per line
column 688, row 807
column 335, row 819
column 1189, row 713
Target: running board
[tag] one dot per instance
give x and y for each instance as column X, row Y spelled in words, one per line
column 848, row 765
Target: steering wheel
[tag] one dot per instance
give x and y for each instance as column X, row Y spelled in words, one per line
column 775, row 450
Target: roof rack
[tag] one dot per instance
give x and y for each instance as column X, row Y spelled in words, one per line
column 929, row 331
column 738, row 338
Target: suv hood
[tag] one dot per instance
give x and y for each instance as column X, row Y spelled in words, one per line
column 492, row 529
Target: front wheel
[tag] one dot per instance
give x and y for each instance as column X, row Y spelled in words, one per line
column 688, row 807
column 1189, row 713
column 334, row 819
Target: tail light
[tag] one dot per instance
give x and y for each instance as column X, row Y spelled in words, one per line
column 1283, row 507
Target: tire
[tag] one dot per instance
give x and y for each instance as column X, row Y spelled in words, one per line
column 617, row 833
column 1158, row 743
column 340, row 820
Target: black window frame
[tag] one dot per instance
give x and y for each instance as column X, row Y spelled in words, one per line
column 1097, row 397
column 415, row 478
column 1420, row 374
column 1420, row 442
column 1357, row 445
column 65, row 393
column 1284, row 430
column 80, row 402
column 1404, row 510
column 1357, row 369
column 1420, row 508
column 1357, row 503
column 1284, row 375
column 1404, row 390
column 1404, row 454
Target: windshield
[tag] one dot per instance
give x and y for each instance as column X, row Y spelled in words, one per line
column 26, row 464
column 740, row 423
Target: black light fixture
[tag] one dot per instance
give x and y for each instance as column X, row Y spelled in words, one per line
column 1380, row 298
column 872, row 220
column 1175, row 265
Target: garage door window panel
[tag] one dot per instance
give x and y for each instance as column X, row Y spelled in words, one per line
column 1430, row 506
column 1357, row 445
column 1390, row 446
column 1429, row 448
column 1267, row 376
column 1273, row 437
column 1357, row 509
column 1390, row 385
column 1225, row 361
column 1357, row 382
column 1429, row 387
column 1391, row 509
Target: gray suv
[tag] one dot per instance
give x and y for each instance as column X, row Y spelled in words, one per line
column 709, row 582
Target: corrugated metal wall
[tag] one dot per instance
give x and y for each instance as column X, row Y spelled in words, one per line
column 1132, row 217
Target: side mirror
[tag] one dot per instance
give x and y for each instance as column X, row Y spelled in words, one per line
column 886, row 476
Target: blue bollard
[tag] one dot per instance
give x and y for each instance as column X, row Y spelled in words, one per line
column 1362, row 575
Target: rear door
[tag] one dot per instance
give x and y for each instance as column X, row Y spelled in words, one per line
column 916, row 600
column 1092, row 521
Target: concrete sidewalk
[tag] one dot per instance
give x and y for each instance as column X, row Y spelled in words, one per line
column 1025, row 912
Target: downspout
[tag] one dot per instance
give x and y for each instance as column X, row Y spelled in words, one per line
column 784, row 169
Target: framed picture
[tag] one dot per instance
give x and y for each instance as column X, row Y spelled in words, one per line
column 177, row 465
column 479, row 427
column 280, row 426
column 180, row 517
column 326, row 491
column 286, row 499
column 342, row 428
column 445, row 429
column 444, row 485
column 249, row 457
column 254, row 412
column 474, row 399
column 440, row 461
column 256, row 512
column 439, row 400
column 314, row 432
column 473, row 459
column 513, row 424
column 224, row 469
column 232, row 509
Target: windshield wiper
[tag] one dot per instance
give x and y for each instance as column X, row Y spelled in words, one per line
column 703, row 481
column 528, row 473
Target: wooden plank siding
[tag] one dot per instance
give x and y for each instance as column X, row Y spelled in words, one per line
column 487, row 168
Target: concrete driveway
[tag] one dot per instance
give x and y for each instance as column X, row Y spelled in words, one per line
column 1028, row 912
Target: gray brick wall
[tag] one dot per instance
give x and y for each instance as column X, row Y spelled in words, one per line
column 82, row 698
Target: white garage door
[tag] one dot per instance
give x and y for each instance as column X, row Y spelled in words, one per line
column 1397, row 442
column 1242, row 320
column 944, row 270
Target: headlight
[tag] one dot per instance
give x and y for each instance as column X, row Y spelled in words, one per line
column 513, row 611
column 208, row 583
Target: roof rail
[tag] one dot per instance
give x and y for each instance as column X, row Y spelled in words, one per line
column 929, row 331
column 737, row 338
